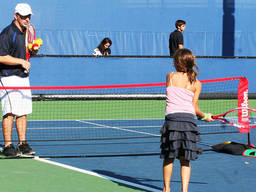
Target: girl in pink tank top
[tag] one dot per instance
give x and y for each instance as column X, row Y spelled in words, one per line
column 179, row 133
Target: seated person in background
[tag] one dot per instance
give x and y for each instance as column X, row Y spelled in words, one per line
column 103, row 48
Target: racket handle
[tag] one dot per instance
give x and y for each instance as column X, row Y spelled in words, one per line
column 27, row 59
column 216, row 116
column 200, row 151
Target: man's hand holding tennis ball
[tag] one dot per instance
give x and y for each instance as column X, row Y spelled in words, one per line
column 35, row 46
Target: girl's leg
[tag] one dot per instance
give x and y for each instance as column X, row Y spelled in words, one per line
column 167, row 173
column 185, row 171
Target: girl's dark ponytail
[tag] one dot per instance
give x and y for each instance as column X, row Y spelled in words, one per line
column 184, row 61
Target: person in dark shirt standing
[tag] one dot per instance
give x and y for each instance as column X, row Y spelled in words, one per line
column 176, row 37
column 14, row 72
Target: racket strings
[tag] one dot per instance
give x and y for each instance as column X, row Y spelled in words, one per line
column 234, row 117
column 30, row 34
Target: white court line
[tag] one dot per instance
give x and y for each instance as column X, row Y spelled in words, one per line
column 97, row 175
column 118, row 128
column 98, row 127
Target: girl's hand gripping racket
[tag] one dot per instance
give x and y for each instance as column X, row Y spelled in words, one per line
column 29, row 39
column 241, row 117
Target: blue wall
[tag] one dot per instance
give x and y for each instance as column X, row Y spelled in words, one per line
column 138, row 27
column 111, row 71
column 142, row 27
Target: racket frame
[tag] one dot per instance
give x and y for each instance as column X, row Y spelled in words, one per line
column 221, row 117
column 29, row 38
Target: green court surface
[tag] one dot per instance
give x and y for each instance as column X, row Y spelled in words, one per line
column 30, row 175
column 104, row 109
column 115, row 109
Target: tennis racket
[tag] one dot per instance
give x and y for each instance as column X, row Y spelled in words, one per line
column 241, row 117
column 30, row 36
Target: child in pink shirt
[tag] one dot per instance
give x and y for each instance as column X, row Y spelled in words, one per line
column 179, row 133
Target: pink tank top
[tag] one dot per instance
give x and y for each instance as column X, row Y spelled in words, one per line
column 179, row 100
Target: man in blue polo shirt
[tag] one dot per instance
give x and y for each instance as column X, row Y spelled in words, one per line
column 14, row 68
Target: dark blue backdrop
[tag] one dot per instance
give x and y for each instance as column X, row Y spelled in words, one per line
column 139, row 27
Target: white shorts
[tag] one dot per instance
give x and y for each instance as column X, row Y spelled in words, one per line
column 17, row 102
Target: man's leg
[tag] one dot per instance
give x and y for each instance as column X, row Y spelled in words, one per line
column 7, row 125
column 21, row 126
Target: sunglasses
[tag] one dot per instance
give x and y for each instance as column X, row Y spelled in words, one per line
column 24, row 17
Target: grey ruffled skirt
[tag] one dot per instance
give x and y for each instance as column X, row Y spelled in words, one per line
column 179, row 136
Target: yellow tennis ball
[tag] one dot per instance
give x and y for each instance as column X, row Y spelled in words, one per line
column 30, row 46
column 226, row 142
column 39, row 41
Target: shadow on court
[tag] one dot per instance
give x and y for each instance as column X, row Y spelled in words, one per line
column 140, row 181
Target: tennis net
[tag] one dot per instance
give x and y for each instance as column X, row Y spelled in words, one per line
column 113, row 120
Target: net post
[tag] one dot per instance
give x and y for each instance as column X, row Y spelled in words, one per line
column 243, row 101
column 249, row 140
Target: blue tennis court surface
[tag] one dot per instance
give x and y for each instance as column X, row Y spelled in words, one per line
column 110, row 137
column 212, row 171
column 94, row 137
